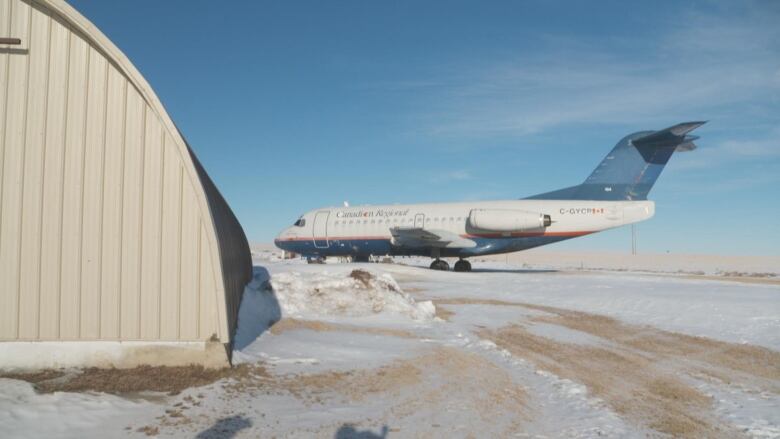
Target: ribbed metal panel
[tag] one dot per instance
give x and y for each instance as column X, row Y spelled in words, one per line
column 110, row 229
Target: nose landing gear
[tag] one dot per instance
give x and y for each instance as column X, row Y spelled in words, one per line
column 463, row 265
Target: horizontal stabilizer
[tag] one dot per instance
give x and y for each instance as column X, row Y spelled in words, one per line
column 673, row 135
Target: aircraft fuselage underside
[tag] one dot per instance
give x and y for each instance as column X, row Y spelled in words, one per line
column 383, row 246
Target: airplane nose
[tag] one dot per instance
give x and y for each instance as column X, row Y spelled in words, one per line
column 279, row 240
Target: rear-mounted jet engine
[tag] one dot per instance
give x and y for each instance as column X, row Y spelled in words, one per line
column 508, row 220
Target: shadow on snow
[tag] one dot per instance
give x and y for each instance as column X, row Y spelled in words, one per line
column 225, row 428
column 348, row 431
column 259, row 309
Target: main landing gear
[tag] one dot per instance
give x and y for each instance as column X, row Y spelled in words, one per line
column 438, row 264
column 463, row 265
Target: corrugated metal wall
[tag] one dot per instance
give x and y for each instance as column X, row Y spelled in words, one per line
column 108, row 228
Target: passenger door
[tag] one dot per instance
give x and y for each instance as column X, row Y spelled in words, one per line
column 419, row 221
column 320, row 229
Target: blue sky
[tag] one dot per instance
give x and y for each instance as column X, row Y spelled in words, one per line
column 296, row 105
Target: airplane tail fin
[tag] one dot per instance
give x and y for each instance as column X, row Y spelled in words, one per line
column 629, row 171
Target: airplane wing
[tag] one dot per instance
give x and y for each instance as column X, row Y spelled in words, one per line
column 416, row 237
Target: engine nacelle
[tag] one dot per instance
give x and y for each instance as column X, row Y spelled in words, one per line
column 506, row 220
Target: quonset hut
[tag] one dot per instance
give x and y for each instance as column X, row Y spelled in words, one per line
column 116, row 248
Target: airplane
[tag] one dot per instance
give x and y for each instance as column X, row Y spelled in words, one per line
column 615, row 194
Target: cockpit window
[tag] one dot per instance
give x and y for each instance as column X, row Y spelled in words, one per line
column 301, row 222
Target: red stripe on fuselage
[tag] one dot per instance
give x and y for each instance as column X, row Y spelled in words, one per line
column 338, row 238
column 527, row 234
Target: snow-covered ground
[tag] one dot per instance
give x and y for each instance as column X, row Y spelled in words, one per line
column 501, row 352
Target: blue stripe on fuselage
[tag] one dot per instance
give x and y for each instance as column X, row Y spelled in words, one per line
column 366, row 247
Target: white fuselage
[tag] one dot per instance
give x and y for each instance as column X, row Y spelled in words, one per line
column 367, row 229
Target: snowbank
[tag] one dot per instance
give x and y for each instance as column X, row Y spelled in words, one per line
column 323, row 294
column 719, row 265
column 259, row 310
column 27, row 414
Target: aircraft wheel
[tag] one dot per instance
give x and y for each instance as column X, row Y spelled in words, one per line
column 438, row 264
column 463, row 265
